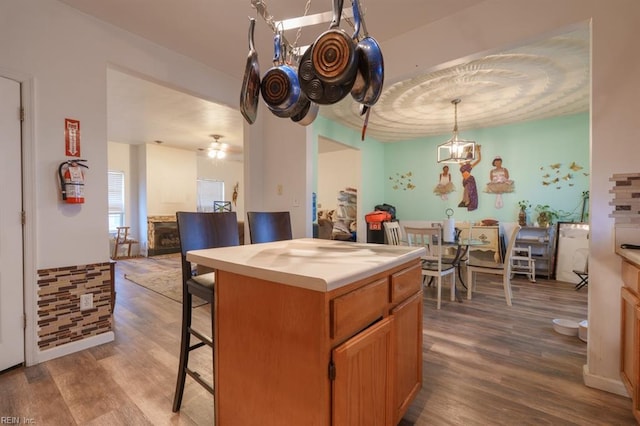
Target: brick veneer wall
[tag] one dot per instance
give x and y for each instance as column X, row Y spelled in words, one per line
column 60, row 320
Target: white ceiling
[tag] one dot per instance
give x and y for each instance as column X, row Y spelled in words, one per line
column 545, row 78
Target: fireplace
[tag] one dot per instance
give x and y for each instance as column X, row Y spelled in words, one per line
column 162, row 235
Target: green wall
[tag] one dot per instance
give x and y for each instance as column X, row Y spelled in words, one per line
column 528, row 151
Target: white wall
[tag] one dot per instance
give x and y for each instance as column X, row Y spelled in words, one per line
column 171, row 180
column 228, row 171
column 336, row 170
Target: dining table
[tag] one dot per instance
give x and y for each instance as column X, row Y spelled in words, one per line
column 461, row 246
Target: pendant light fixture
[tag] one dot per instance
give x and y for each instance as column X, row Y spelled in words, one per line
column 216, row 150
column 456, row 150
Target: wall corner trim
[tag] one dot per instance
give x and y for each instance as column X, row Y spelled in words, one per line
column 603, row 383
column 76, row 346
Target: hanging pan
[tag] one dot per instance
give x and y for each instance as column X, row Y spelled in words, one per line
column 333, row 54
column 313, row 85
column 307, row 115
column 250, row 91
column 280, row 87
column 315, row 89
column 370, row 76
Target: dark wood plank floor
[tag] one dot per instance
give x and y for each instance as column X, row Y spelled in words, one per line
column 484, row 363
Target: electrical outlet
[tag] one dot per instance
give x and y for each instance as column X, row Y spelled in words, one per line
column 86, row 301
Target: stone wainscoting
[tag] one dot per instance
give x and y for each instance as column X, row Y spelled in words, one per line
column 60, row 319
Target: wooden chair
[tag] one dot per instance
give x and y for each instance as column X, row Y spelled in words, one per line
column 265, row 227
column 123, row 239
column 199, row 231
column 523, row 263
column 393, row 233
column 432, row 265
column 503, row 269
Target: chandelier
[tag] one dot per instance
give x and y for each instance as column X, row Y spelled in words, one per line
column 456, row 150
column 217, row 149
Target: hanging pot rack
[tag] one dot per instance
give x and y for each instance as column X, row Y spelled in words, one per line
column 299, row 22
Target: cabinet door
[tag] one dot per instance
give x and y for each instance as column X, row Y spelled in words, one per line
column 629, row 341
column 362, row 384
column 407, row 319
column 491, row 251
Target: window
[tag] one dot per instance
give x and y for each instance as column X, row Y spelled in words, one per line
column 208, row 192
column 116, row 200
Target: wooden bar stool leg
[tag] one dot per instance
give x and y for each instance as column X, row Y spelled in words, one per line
column 185, row 342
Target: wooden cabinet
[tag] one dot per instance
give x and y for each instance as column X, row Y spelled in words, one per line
column 407, row 326
column 292, row 355
column 542, row 243
column 492, row 250
column 362, row 378
column 378, row 372
column 630, row 334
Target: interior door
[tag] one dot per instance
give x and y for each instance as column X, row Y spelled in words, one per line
column 11, row 278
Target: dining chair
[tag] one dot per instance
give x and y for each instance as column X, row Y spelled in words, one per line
column 503, row 268
column 393, row 233
column 265, row 227
column 199, row 230
column 432, row 265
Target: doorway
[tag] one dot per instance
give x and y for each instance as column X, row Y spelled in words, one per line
column 11, row 242
column 338, row 181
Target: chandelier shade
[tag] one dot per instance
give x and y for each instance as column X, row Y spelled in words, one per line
column 456, row 150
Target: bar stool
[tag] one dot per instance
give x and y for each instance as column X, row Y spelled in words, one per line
column 199, row 231
column 265, row 227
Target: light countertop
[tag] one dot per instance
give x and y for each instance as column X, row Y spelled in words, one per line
column 630, row 255
column 315, row 264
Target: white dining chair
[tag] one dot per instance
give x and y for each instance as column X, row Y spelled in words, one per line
column 393, row 233
column 432, row 265
column 503, row 269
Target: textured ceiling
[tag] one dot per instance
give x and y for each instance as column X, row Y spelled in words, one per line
column 542, row 79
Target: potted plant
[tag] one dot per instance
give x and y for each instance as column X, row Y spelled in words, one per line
column 546, row 215
column 522, row 214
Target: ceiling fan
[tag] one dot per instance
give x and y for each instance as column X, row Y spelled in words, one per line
column 217, row 150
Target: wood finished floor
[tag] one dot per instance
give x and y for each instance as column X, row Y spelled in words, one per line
column 484, row 363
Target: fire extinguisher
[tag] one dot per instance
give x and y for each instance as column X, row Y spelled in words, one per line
column 72, row 181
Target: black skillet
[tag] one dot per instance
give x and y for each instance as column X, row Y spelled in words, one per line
column 250, row 92
column 368, row 85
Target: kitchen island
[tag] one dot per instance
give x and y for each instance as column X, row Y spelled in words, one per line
column 315, row 332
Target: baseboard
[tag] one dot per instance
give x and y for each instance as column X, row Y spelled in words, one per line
column 602, row 383
column 73, row 347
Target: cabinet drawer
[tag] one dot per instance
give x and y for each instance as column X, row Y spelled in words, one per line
column 631, row 276
column 353, row 311
column 405, row 283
